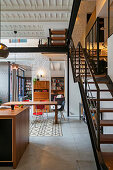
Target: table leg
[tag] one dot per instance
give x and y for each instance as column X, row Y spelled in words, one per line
column 12, row 107
column 56, row 115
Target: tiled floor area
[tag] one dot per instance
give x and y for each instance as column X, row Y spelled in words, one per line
column 72, row 151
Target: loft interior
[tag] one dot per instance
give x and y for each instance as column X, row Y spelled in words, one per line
column 56, row 84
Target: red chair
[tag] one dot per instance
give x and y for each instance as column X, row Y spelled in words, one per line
column 39, row 114
column 26, row 100
column 45, row 108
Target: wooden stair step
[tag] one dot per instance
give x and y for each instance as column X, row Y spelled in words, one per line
column 101, row 75
column 88, row 75
column 99, row 82
column 108, row 159
column 58, row 32
column 102, row 99
column 58, row 44
column 58, row 38
column 103, row 110
column 106, row 122
column 106, row 138
column 80, row 64
column 102, row 90
column 100, row 57
column 80, row 68
column 77, row 57
column 95, row 75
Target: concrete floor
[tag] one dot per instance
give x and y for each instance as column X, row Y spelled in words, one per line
column 72, row 151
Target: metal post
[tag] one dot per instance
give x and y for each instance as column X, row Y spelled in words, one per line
column 86, row 79
column 48, row 40
column 79, row 60
column 68, row 84
column 75, row 65
column 108, row 18
column 98, row 30
column 98, row 119
column 14, row 86
column 8, row 81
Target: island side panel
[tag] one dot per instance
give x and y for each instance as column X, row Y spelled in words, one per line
column 6, row 140
column 21, row 135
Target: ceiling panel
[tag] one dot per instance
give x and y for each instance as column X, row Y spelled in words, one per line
column 34, row 11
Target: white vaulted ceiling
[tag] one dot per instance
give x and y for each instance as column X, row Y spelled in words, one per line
column 33, row 18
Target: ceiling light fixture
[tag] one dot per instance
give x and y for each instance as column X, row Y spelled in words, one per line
column 14, row 65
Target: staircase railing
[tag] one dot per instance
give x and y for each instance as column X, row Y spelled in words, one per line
column 83, row 73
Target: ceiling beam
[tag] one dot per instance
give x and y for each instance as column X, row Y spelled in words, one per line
column 74, row 12
column 38, row 49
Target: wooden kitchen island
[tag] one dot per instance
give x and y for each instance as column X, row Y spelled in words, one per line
column 14, row 134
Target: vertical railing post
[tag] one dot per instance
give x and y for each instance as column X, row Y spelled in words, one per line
column 68, row 84
column 108, row 18
column 98, row 32
column 48, row 41
column 98, row 119
column 9, row 81
column 39, row 41
column 75, row 65
column 86, row 78
column 79, row 59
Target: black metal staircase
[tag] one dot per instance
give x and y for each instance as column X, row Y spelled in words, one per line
column 91, row 93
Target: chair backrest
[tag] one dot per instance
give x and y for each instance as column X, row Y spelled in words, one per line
column 60, row 100
column 62, row 106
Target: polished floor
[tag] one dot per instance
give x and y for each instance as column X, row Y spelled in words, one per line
column 72, row 151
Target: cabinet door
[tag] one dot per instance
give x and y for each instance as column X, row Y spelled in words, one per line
column 41, row 85
column 6, row 140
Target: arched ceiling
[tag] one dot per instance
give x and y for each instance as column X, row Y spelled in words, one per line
column 33, row 18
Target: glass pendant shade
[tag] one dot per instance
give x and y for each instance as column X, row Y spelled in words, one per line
column 3, row 51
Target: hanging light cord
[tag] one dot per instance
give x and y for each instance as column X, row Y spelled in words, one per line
column 15, row 32
column 0, row 19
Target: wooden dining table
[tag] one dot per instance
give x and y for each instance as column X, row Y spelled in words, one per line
column 31, row 103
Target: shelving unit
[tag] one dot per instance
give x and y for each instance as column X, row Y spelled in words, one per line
column 57, row 86
column 28, row 87
column 41, row 92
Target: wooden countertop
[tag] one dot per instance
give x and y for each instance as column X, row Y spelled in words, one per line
column 11, row 113
column 31, row 103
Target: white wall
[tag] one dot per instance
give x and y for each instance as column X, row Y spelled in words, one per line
column 110, row 57
column 4, row 82
column 57, row 68
column 99, row 5
column 74, row 93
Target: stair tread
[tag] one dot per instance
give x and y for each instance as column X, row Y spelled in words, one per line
column 103, row 110
column 108, row 159
column 58, row 32
column 106, row 122
column 58, row 38
column 58, row 44
column 106, row 138
column 102, row 99
column 99, row 82
column 102, row 90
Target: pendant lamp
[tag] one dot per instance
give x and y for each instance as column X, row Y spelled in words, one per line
column 14, row 66
column 3, row 51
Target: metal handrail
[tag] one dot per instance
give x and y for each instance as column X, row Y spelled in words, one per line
column 94, row 135
column 98, row 91
column 87, row 63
